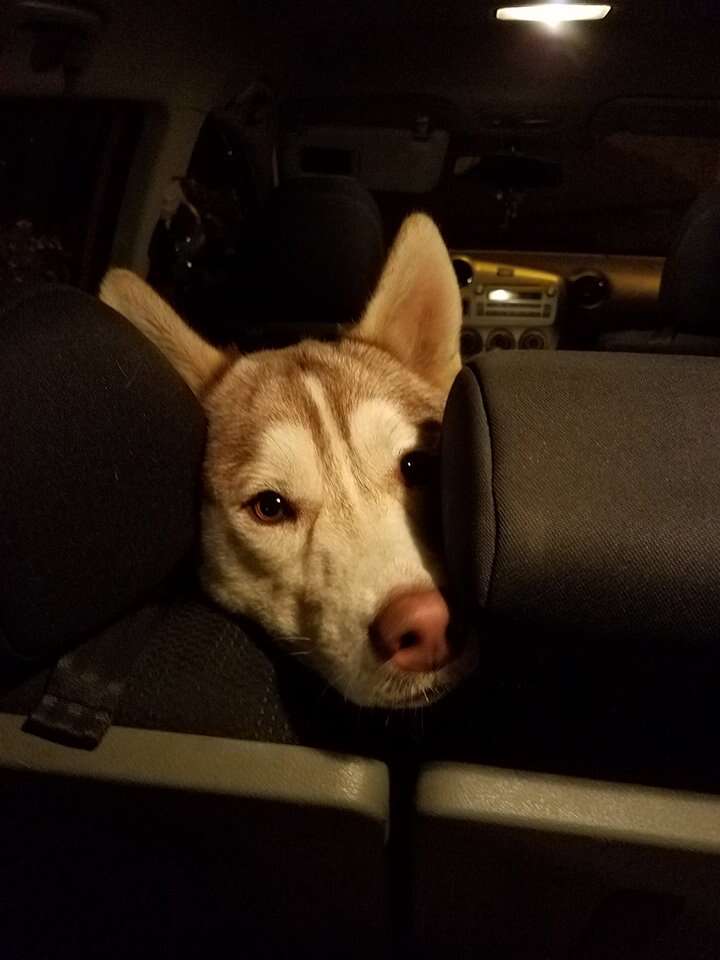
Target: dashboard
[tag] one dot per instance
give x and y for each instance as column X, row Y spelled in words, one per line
column 544, row 301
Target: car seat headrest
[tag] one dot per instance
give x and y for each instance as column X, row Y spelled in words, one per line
column 580, row 495
column 102, row 447
column 320, row 253
column 690, row 285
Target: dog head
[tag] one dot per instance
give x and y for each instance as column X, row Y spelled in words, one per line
column 319, row 513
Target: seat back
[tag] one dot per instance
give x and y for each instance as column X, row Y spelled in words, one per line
column 690, row 285
column 689, row 290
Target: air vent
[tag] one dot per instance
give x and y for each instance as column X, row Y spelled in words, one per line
column 589, row 289
column 463, row 272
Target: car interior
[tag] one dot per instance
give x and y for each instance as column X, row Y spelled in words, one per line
column 169, row 781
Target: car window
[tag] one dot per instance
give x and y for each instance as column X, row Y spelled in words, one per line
column 622, row 193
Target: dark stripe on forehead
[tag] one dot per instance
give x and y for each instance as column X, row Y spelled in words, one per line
column 343, row 386
column 352, row 373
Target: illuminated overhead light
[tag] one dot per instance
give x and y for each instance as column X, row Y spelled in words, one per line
column 500, row 296
column 552, row 14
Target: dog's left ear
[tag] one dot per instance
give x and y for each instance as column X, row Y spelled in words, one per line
column 416, row 311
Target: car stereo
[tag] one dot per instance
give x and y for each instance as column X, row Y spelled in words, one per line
column 506, row 307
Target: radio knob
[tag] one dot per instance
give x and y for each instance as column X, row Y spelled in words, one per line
column 532, row 340
column 500, row 340
column 470, row 341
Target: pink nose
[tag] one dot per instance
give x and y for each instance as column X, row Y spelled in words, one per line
column 411, row 632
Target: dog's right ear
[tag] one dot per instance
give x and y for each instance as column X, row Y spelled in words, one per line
column 197, row 362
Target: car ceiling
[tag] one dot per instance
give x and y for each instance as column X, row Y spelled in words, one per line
column 490, row 85
column 648, row 68
column 479, row 71
column 365, row 60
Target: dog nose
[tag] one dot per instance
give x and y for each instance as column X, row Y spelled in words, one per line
column 411, row 632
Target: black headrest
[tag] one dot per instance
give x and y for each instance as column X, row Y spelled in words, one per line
column 690, row 285
column 581, row 493
column 101, row 447
column 320, row 251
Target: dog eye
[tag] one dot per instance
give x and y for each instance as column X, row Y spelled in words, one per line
column 270, row 507
column 417, row 468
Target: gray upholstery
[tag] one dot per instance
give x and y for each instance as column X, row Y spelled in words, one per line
column 98, row 434
column 581, row 494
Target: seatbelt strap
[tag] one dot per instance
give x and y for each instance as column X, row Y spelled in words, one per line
column 84, row 689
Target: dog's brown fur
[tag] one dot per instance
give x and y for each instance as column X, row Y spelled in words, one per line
column 325, row 425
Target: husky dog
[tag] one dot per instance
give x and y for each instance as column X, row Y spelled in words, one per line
column 319, row 515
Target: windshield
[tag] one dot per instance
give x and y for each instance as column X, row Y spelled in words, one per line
column 624, row 193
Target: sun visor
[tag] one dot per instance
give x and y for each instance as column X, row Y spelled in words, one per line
column 381, row 158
